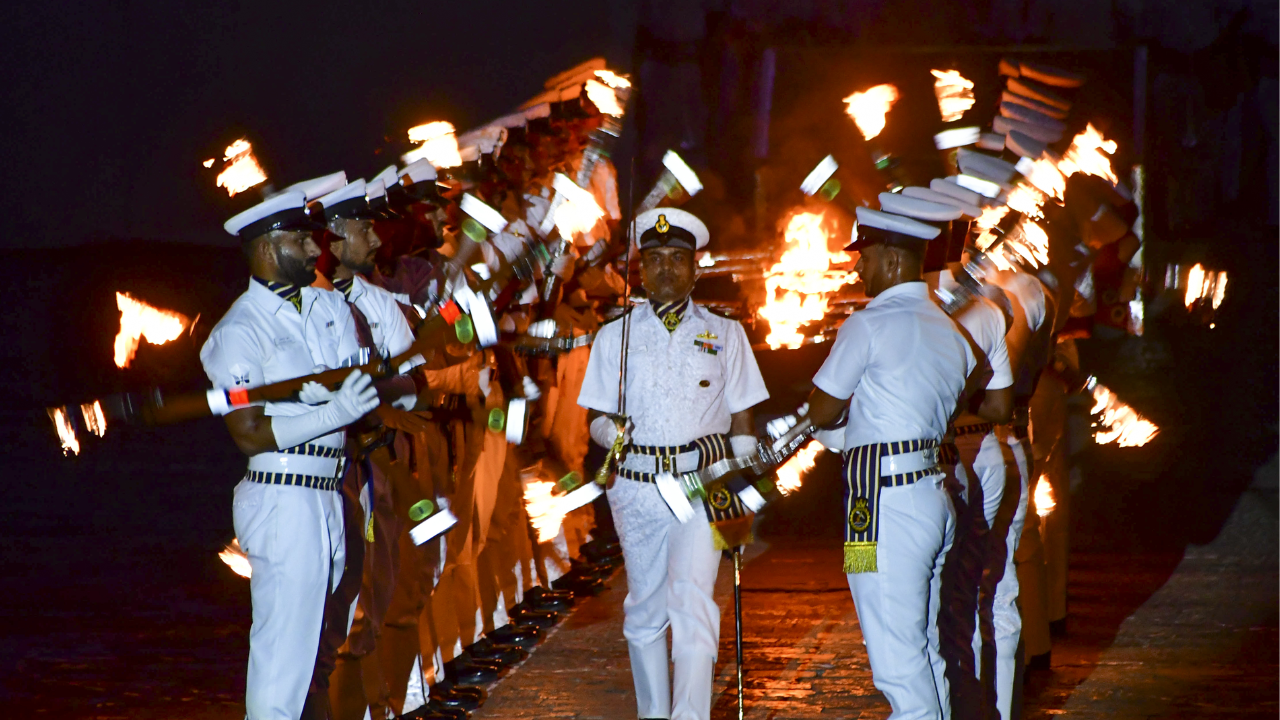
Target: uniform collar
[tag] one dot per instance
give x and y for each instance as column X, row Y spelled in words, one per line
column 345, row 286
column 671, row 314
column 916, row 289
column 283, row 292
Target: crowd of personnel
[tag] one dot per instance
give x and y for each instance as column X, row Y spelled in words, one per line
column 946, row 414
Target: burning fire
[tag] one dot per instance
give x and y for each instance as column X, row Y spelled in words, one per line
column 94, row 419
column 797, row 287
column 869, row 108
column 613, row 79
column 66, row 431
column 1118, row 423
column 579, row 212
column 1086, row 155
column 1203, row 284
column 802, row 462
column 235, row 559
column 1026, row 200
column 604, row 98
column 139, row 320
column 1043, row 500
column 955, row 94
column 438, row 144
column 242, row 171
column 544, row 508
column 1050, row 179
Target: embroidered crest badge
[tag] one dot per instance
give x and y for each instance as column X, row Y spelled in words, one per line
column 860, row 516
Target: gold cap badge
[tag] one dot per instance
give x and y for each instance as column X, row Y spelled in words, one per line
column 662, row 226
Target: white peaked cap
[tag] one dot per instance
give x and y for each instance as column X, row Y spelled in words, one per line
column 419, row 171
column 983, row 186
column 1014, row 111
column 956, row 137
column 1037, row 91
column 375, row 189
column 985, row 166
column 353, row 189
column 991, row 141
column 387, row 177
column 673, row 217
column 319, row 187
column 1027, row 147
column 919, row 209
column 1004, row 126
column 278, row 211
column 951, row 189
column 1043, row 108
column 1051, row 75
column 896, row 223
column 934, row 196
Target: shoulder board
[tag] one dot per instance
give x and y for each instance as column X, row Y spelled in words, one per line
column 717, row 312
column 619, row 317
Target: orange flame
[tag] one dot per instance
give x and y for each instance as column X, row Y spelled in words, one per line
column 1026, row 200
column 235, row 559
column 613, row 79
column 544, row 509
column 1050, row 179
column 66, row 431
column 438, row 144
column 1205, row 284
column 1043, row 499
column 1088, row 154
column 869, row 108
column 603, row 97
column 802, row 462
column 1119, row 423
column 242, row 171
column 955, row 94
column 578, row 213
column 139, row 320
column 94, row 419
column 798, row 286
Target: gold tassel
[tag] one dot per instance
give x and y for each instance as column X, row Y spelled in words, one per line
column 729, row 534
column 860, row 557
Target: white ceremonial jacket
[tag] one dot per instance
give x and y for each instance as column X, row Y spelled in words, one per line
column 391, row 332
column 681, row 385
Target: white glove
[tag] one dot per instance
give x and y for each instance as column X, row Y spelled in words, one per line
column 531, row 391
column 779, row 426
column 313, row 393
column 604, row 431
column 543, row 328
column 832, row 440
column 742, row 445
column 356, row 397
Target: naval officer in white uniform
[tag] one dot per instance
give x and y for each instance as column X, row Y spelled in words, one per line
column 691, row 384
column 287, row 511
column 899, row 366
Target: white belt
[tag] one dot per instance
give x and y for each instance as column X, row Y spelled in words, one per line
column 652, row 464
column 274, row 462
column 908, row 462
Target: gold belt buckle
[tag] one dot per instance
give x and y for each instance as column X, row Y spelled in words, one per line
column 664, row 463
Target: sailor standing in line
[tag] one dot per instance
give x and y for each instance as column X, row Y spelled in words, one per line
column 287, row 511
column 899, row 366
column 690, row 387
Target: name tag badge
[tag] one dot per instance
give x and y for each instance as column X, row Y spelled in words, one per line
column 283, row 341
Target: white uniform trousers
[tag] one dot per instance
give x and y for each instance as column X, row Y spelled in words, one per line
column 997, row 469
column 898, row 605
column 294, row 539
column 671, row 576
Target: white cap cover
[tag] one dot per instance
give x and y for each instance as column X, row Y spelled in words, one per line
column 917, row 208
column 285, row 210
column 354, row 189
column 934, row 196
column 897, row 224
column 1006, row 125
column 973, row 162
column 388, row 176
column 660, row 221
column 951, row 189
column 319, row 187
column 418, row 171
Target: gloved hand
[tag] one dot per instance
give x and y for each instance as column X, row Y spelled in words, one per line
column 351, row 402
column 543, row 329
column 313, row 393
column 531, row 391
column 605, row 431
column 742, row 445
column 483, row 381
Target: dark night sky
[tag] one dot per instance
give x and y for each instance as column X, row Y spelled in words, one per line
column 108, row 109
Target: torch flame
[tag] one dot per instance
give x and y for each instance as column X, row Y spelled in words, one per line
column 1220, row 289
column 1050, row 179
column 797, row 287
column 242, row 171
column 66, row 431
column 139, row 320
column 94, row 419
column 955, row 94
column 1086, row 155
column 1044, row 501
column 1026, row 200
column 579, row 211
column 1119, row 423
column 603, row 97
column 1202, row 284
column 869, row 108
column 438, row 144
column 235, row 559
column 544, row 509
column 802, row 462
column 613, row 79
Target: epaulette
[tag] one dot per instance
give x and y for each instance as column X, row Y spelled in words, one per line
column 619, row 316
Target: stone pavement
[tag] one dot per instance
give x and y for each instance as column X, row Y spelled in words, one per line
column 1150, row 635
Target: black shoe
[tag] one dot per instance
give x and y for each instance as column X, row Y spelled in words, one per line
column 486, row 649
column 456, row 699
column 586, row 569
column 471, row 673
column 526, row 615
column 578, row 586
column 598, row 551
column 445, row 711
column 1058, row 628
column 1039, row 662
column 424, row 713
column 544, row 600
column 448, row 688
column 525, row 636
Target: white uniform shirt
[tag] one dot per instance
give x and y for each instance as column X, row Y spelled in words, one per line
column 391, row 332
column 677, row 389
column 263, row 339
column 904, row 364
column 1030, row 294
column 984, row 322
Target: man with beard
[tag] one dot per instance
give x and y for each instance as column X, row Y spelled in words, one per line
column 287, row 511
column 359, row 685
column 691, row 385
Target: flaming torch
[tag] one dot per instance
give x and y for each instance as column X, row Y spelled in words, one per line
column 242, row 169
column 789, row 475
column 798, row 286
column 1089, row 153
column 955, row 94
column 66, row 431
column 869, row 107
column 139, row 320
column 1117, row 422
column 235, row 559
column 437, row 143
column 1043, row 497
